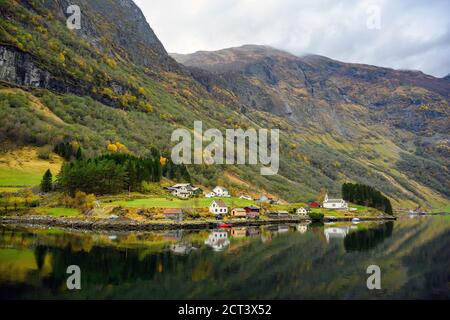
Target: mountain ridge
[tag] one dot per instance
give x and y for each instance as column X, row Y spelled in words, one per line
column 338, row 123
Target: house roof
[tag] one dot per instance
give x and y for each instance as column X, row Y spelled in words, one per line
column 334, row 201
column 239, row 210
column 220, row 203
column 179, row 185
column 219, row 187
column 173, row 211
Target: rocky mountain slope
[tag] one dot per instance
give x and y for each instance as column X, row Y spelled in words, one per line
column 353, row 103
column 112, row 81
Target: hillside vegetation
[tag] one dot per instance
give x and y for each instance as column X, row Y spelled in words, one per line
column 112, row 82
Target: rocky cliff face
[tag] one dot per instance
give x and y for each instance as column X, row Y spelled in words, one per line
column 315, row 89
column 118, row 26
column 18, row 67
column 38, row 50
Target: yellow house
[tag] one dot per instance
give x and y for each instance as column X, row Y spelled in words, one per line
column 238, row 213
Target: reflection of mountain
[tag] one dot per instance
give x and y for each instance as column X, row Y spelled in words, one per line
column 414, row 260
column 366, row 239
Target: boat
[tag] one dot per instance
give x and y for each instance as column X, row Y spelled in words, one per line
column 224, row 225
column 356, row 220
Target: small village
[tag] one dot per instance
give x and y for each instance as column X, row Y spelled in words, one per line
column 265, row 205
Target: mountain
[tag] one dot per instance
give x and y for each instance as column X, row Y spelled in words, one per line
column 113, row 81
column 358, row 106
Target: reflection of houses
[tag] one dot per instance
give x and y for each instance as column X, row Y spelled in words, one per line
column 302, row 228
column 173, row 235
column 184, row 190
column 218, row 207
column 182, row 248
column 173, row 214
column 218, row 192
column 253, row 232
column 278, row 229
column 336, row 233
column 239, row 213
column 334, row 203
column 218, row 240
column 238, row 232
column 303, row 211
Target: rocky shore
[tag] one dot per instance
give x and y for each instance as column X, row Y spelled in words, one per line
column 131, row 225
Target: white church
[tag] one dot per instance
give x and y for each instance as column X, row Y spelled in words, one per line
column 334, row 203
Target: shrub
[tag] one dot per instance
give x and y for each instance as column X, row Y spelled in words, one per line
column 316, row 216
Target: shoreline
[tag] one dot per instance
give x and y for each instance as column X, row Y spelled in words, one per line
column 130, row 225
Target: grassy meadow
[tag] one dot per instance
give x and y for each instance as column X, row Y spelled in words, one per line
column 24, row 168
column 177, row 203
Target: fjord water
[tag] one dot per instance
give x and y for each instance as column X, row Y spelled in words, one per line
column 271, row 262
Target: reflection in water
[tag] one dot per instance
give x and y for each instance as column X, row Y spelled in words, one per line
column 270, row 262
column 218, row 240
column 336, row 233
column 302, row 228
column 368, row 238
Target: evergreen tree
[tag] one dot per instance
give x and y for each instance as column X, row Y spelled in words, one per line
column 47, row 181
column 79, row 154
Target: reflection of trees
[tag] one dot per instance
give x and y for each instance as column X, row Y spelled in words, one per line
column 39, row 254
column 291, row 266
column 369, row 238
column 428, row 267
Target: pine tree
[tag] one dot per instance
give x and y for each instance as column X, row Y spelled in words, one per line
column 79, row 154
column 47, row 181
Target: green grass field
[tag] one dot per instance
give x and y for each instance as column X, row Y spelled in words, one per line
column 10, row 189
column 59, row 212
column 12, row 177
column 442, row 209
column 178, row 203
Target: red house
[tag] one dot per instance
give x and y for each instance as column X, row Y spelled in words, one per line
column 314, row 204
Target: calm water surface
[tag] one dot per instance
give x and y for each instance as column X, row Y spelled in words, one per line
column 272, row 262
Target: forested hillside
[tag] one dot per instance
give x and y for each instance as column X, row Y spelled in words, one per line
column 112, row 82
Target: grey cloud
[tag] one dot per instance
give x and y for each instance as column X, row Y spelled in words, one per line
column 414, row 34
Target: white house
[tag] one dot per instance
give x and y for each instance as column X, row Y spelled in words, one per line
column 245, row 197
column 218, row 207
column 183, row 190
column 221, row 192
column 302, row 211
column 210, row 195
column 334, row 203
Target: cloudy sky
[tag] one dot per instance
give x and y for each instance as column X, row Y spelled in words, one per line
column 402, row 34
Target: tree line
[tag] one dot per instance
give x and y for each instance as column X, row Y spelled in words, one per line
column 68, row 151
column 115, row 173
column 366, row 196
